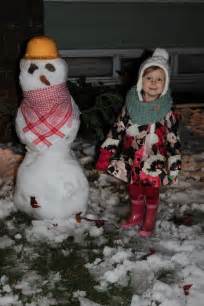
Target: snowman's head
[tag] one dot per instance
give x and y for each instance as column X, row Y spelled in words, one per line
column 38, row 74
column 41, row 66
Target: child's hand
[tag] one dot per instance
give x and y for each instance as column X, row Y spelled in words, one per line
column 103, row 160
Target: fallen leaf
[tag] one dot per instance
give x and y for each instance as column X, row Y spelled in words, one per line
column 78, row 218
column 186, row 288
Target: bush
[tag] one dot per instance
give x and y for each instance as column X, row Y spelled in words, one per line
column 99, row 106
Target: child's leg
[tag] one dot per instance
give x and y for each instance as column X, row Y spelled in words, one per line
column 152, row 203
column 137, row 206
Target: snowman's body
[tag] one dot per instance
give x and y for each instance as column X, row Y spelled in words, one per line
column 50, row 182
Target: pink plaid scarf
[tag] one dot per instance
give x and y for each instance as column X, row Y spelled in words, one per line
column 46, row 111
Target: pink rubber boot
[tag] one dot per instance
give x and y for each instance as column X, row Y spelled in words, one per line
column 149, row 222
column 136, row 216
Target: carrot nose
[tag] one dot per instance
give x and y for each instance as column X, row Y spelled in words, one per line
column 44, row 80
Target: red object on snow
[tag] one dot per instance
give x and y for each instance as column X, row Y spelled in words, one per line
column 186, row 288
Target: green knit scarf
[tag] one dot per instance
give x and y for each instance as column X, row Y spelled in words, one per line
column 142, row 113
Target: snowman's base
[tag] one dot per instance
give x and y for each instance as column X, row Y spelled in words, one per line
column 51, row 186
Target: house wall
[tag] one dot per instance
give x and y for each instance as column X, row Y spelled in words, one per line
column 106, row 25
column 19, row 20
column 98, row 38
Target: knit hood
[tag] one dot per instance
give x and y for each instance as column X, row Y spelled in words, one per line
column 159, row 58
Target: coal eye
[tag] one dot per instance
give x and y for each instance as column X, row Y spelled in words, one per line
column 32, row 68
column 50, row 67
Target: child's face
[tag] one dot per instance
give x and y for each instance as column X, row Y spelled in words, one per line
column 153, row 83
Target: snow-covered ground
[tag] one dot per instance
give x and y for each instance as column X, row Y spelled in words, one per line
column 92, row 263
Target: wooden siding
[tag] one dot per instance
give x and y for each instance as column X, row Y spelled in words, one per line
column 82, row 25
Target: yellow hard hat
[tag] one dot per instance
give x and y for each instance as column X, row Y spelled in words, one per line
column 41, row 47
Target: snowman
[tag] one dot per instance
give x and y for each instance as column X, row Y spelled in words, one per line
column 50, row 183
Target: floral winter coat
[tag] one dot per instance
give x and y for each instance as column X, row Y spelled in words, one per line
column 145, row 153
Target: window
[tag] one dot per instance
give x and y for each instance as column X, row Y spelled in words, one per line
column 191, row 63
column 90, row 66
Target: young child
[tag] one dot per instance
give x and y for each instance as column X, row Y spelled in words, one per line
column 143, row 147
